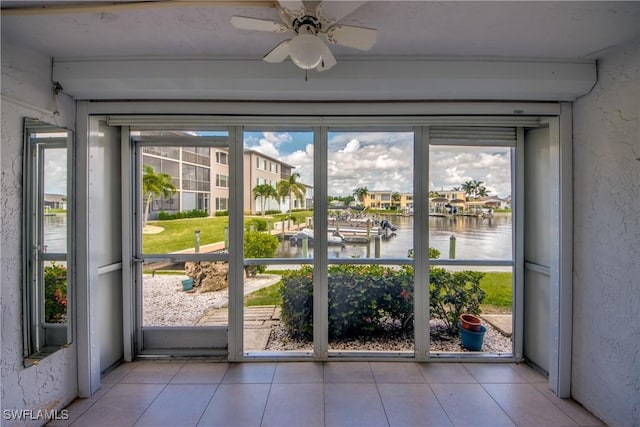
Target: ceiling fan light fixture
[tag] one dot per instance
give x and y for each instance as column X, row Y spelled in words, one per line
column 306, row 51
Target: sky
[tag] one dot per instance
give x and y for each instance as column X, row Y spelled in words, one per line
column 383, row 161
column 55, row 171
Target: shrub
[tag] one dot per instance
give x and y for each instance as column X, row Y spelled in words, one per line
column 55, row 293
column 297, row 302
column 195, row 213
column 452, row 294
column 258, row 245
column 273, row 211
column 363, row 300
column 259, row 224
column 222, row 213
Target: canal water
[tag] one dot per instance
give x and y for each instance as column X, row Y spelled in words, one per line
column 476, row 239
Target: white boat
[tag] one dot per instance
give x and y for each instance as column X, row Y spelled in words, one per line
column 333, row 238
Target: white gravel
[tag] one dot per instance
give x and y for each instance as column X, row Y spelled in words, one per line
column 166, row 304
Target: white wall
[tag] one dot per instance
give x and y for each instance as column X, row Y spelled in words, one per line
column 52, row 384
column 606, row 294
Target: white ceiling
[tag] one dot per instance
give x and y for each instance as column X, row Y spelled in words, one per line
column 562, row 30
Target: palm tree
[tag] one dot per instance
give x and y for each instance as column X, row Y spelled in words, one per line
column 395, row 199
column 291, row 188
column 469, row 188
column 361, row 193
column 155, row 184
column 265, row 191
column 482, row 191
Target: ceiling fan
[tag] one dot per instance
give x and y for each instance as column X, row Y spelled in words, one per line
column 307, row 49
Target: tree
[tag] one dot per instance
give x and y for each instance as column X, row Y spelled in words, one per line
column 265, row 191
column 482, row 191
column 155, row 184
column 468, row 187
column 360, row 193
column 395, row 199
column 291, row 188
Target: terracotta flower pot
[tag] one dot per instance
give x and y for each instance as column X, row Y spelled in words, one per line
column 470, row 322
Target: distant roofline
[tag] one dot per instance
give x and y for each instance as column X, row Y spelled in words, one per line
column 253, row 150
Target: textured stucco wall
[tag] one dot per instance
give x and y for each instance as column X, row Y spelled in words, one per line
column 606, row 331
column 26, row 76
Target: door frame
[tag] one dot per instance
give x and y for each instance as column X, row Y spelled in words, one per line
column 234, row 114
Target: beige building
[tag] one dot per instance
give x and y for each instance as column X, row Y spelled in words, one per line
column 386, row 200
column 201, row 177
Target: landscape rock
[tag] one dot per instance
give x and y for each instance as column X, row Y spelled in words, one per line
column 208, row 276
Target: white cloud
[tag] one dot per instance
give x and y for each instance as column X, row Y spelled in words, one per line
column 383, row 161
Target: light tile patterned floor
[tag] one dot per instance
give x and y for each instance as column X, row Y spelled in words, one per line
column 292, row 394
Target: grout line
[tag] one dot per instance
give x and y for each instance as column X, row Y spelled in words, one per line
column 497, row 403
column 440, row 403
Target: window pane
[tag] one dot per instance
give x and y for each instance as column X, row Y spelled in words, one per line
column 185, row 294
column 55, row 292
column 370, row 187
column 470, row 202
column 486, row 292
column 176, row 188
column 55, row 200
column 470, row 219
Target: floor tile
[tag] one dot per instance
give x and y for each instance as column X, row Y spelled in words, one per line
column 497, row 373
column 573, row 409
column 239, row 405
column 80, row 406
column 295, row 405
column 120, row 406
column 118, row 373
column 298, row 372
column 178, row 405
column 470, row 405
column 348, row 372
column 353, row 405
column 412, row 405
column 151, row 373
column 526, row 406
column 200, row 373
column 249, row 373
column 445, row 373
column 530, row 374
column 396, row 372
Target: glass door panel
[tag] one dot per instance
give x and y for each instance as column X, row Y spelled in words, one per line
column 471, row 236
column 370, row 219
column 278, row 240
column 183, row 245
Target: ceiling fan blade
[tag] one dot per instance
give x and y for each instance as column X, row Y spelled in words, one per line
column 245, row 23
column 357, row 37
column 278, row 53
column 329, row 12
column 293, row 8
column 328, row 60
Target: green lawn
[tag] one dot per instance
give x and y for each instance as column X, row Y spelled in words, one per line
column 179, row 234
column 498, row 287
column 265, row 296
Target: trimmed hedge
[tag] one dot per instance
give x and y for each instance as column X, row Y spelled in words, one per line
column 196, row 213
column 368, row 299
column 363, row 300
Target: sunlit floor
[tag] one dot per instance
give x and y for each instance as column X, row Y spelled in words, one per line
column 196, row 393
